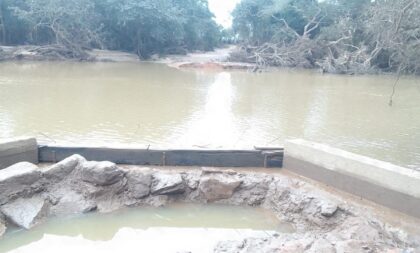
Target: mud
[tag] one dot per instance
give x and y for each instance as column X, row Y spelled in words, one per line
column 323, row 221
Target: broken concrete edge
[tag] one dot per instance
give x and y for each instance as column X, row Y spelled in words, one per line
column 75, row 186
column 381, row 182
column 18, row 150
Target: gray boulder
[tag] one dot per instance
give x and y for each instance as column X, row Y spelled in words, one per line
column 192, row 179
column 139, row 183
column 252, row 190
column 101, row 173
column 218, row 186
column 26, row 213
column 69, row 203
column 167, row 184
column 60, row 170
column 328, row 209
column 21, row 179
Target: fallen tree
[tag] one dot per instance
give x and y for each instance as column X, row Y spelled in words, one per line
column 373, row 37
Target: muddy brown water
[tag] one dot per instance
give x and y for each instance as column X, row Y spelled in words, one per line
column 147, row 103
column 173, row 228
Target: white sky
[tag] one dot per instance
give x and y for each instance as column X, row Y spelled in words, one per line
column 222, row 10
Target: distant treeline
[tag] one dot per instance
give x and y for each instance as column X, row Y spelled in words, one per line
column 340, row 36
column 145, row 27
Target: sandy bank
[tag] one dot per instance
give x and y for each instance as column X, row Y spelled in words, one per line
column 55, row 53
column 213, row 60
column 216, row 60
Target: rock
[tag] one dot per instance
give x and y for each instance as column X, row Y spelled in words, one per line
column 101, row 173
column 139, row 183
column 167, row 184
column 295, row 246
column 358, row 228
column 21, row 179
column 266, row 245
column 158, row 201
column 229, row 246
column 328, row 209
column 191, row 179
column 351, row 246
column 218, row 186
column 321, row 245
column 2, row 225
column 110, row 204
column 253, row 190
column 321, row 222
column 399, row 251
column 70, row 202
column 26, row 213
column 60, row 170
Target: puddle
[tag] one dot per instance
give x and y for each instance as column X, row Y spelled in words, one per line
column 177, row 227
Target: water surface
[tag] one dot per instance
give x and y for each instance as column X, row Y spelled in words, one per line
column 175, row 227
column 144, row 103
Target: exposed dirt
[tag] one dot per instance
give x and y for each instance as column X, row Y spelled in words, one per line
column 57, row 53
column 214, row 60
column 324, row 221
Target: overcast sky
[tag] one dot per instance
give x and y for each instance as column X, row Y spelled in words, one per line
column 222, row 10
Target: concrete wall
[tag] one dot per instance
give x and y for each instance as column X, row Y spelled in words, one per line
column 18, row 150
column 384, row 183
column 193, row 157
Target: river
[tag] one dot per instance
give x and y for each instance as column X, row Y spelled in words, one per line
column 152, row 104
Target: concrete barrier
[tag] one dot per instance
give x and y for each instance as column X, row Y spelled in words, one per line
column 381, row 182
column 18, row 150
column 167, row 157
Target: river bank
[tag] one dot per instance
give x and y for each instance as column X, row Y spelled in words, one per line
column 224, row 58
column 55, row 53
column 323, row 221
column 212, row 60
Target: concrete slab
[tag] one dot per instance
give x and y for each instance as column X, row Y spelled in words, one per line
column 384, row 183
column 18, row 150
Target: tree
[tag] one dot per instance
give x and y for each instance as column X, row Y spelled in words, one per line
column 337, row 36
column 145, row 27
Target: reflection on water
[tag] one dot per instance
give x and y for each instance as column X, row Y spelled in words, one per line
column 103, row 103
column 217, row 107
column 143, row 229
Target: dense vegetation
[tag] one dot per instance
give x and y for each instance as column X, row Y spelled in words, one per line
column 145, row 27
column 340, row 36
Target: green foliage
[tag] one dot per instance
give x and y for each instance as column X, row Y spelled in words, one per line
column 257, row 21
column 12, row 30
column 143, row 26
